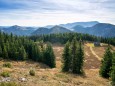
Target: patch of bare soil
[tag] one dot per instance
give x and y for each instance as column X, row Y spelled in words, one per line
column 91, row 62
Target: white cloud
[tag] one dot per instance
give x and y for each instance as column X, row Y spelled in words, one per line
column 45, row 12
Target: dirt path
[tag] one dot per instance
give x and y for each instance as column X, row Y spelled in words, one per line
column 95, row 54
column 91, row 62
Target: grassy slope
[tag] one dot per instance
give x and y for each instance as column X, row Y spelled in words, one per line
column 54, row 77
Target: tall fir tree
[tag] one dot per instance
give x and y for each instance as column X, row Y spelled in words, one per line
column 5, row 53
column 74, row 56
column 106, row 64
column 113, row 70
column 49, row 56
column 66, row 58
column 80, row 59
column 22, row 53
column 0, row 52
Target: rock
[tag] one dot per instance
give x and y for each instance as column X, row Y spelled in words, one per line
column 8, row 79
column 22, row 79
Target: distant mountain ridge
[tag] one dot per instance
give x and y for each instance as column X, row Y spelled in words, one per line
column 55, row 29
column 100, row 29
column 93, row 28
column 71, row 25
column 18, row 30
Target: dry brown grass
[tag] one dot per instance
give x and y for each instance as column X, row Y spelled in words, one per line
column 44, row 76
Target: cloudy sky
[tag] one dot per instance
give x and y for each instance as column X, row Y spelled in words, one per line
column 50, row 12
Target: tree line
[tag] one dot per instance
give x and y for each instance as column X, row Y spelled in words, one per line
column 64, row 37
column 21, row 48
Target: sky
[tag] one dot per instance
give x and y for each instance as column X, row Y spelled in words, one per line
column 52, row 12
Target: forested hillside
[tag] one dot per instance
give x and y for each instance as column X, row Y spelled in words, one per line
column 64, row 37
column 22, row 48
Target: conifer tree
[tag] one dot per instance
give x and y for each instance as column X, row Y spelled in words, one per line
column 80, row 59
column 49, row 56
column 113, row 70
column 66, row 58
column 5, row 53
column 106, row 64
column 22, row 53
column 0, row 52
column 74, row 56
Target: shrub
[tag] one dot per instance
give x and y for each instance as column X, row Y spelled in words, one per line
column 5, row 74
column 8, row 84
column 8, row 65
column 32, row 72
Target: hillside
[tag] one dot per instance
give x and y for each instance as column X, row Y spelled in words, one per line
column 93, row 28
column 71, row 25
column 100, row 29
column 46, row 76
column 55, row 29
column 18, row 30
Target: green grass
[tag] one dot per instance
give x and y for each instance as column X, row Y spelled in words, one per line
column 5, row 74
column 9, row 84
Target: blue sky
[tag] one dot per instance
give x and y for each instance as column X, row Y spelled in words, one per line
column 50, row 12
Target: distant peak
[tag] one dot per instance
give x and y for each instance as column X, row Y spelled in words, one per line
column 15, row 26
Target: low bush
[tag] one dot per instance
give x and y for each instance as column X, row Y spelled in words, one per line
column 8, row 65
column 5, row 74
column 32, row 72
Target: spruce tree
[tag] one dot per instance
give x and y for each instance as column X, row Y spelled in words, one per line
column 106, row 64
column 22, row 54
column 66, row 58
column 5, row 53
column 113, row 70
column 80, row 59
column 0, row 52
column 49, row 56
column 74, row 56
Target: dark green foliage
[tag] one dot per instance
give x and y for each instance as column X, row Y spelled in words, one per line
column 49, row 57
column 32, row 72
column 36, row 53
column 5, row 74
column 22, row 48
column 8, row 65
column 74, row 56
column 77, row 57
column 113, row 70
column 22, row 53
column 5, row 53
column 0, row 52
column 64, row 37
column 73, row 59
column 106, row 64
column 78, row 60
column 66, row 58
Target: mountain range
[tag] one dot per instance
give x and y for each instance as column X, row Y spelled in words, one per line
column 55, row 29
column 94, row 28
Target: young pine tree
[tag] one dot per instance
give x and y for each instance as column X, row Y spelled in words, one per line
column 113, row 70
column 74, row 55
column 66, row 58
column 80, row 59
column 49, row 57
column 106, row 64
